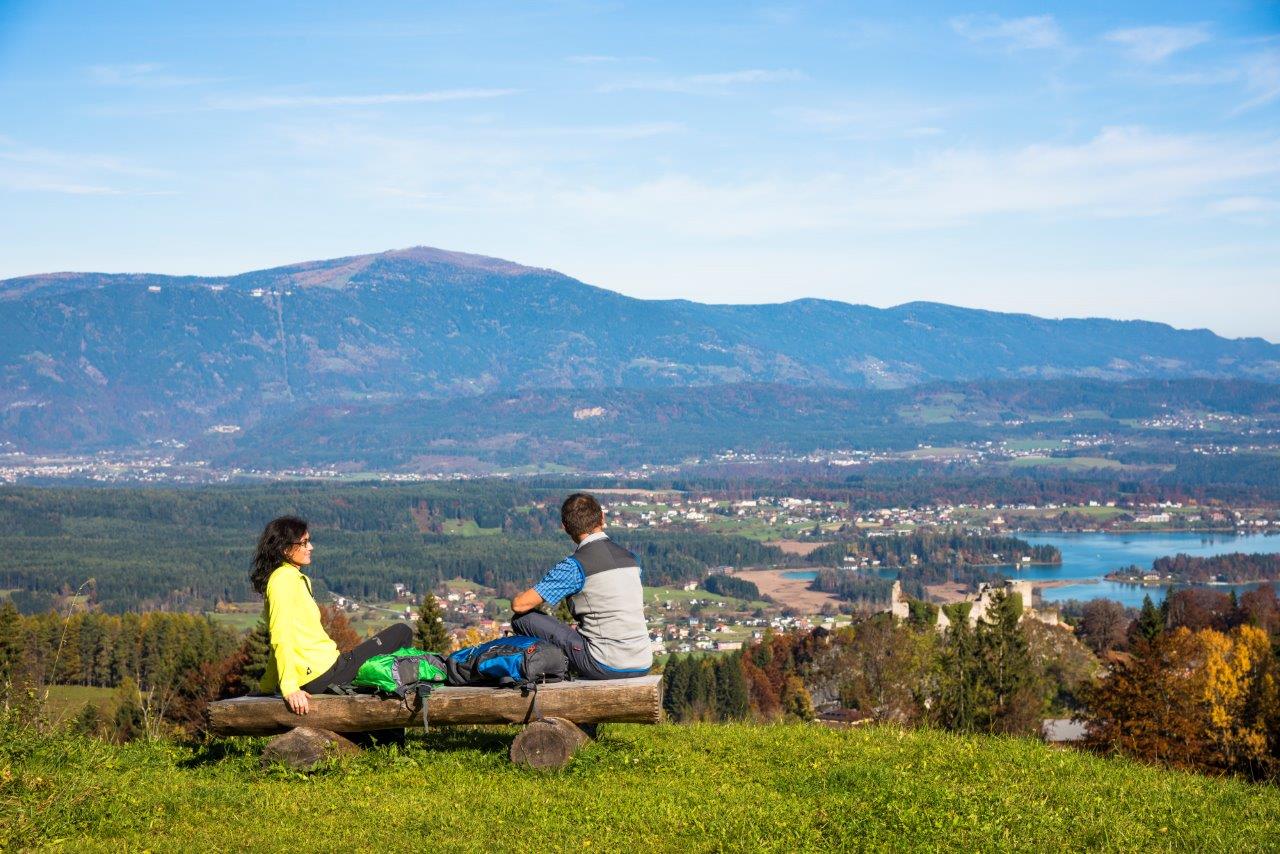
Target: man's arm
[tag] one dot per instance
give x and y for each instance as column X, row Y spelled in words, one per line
column 564, row 579
column 526, row 601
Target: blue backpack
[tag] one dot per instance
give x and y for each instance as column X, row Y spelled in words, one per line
column 517, row 661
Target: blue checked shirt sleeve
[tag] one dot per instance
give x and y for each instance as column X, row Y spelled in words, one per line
column 564, row 579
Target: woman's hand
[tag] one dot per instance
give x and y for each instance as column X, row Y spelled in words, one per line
column 299, row 702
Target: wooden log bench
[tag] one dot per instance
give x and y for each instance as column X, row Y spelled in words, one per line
column 554, row 728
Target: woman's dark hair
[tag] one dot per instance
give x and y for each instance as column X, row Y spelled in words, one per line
column 278, row 537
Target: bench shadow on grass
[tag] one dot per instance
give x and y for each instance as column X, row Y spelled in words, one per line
column 481, row 739
column 219, row 750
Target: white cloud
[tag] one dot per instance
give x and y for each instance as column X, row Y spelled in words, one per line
column 42, row 170
column 637, row 130
column 1121, row 172
column 1030, row 33
column 1262, row 79
column 268, row 102
column 704, row 83
column 1156, row 44
column 879, row 118
column 1244, row 205
column 140, row 75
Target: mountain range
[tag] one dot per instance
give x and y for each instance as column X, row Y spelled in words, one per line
column 95, row 360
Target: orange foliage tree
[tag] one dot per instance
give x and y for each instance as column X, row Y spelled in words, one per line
column 1206, row 699
column 337, row 626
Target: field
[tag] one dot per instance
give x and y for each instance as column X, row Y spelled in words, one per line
column 794, row 547
column 666, row 788
column 654, row 595
column 66, row 701
column 794, row 592
column 468, row 528
column 1073, row 463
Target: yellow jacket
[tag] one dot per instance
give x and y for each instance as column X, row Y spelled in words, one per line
column 300, row 649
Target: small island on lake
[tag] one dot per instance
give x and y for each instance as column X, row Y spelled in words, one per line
column 1234, row 568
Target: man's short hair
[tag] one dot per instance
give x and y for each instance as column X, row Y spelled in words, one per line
column 581, row 513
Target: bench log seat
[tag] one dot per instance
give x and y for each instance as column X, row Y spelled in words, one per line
column 636, row 700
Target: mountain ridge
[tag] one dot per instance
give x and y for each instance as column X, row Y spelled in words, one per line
column 103, row 360
column 430, row 254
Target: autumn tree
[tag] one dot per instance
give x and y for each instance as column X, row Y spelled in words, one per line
column 880, row 666
column 763, row 700
column 1259, row 608
column 796, row 701
column 1236, row 686
column 1198, row 608
column 338, row 628
column 1145, row 706
column 1103, row 625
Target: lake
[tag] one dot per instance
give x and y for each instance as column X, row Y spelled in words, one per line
column 1091, row 556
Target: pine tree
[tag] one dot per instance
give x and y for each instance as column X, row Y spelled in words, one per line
column 676, row 676
column 10, row 642
column 88, row 722
column 1150, row 623
column 962, row 693
column 128, row 722
column 1007, row 669
column 703, row 685
column 732, row 701
column 244, row 668
column 431, row 632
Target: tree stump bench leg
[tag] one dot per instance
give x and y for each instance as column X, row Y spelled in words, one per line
column 304, row 747
column 547, row 744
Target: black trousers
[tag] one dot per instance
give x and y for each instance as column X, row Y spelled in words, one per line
column 348, row 664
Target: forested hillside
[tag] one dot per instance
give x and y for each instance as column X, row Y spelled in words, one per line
column 189, row 549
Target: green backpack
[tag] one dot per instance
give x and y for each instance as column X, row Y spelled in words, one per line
column 401, row 672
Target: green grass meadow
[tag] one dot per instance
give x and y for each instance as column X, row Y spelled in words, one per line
column 662, row 788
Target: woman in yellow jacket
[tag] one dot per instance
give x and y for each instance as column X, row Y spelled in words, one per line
column 304, row 660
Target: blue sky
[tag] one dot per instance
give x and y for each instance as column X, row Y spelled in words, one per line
column 1094, row 159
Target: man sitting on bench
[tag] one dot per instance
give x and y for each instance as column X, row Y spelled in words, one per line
column 602, row 583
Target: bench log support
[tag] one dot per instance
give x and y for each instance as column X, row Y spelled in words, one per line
column 547, row 744
column 589, row 702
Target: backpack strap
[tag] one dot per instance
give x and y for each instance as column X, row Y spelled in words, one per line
column 424, row 690
column 535, row 712
column 340, row 688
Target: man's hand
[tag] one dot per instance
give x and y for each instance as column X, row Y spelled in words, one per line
column 299, row 702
